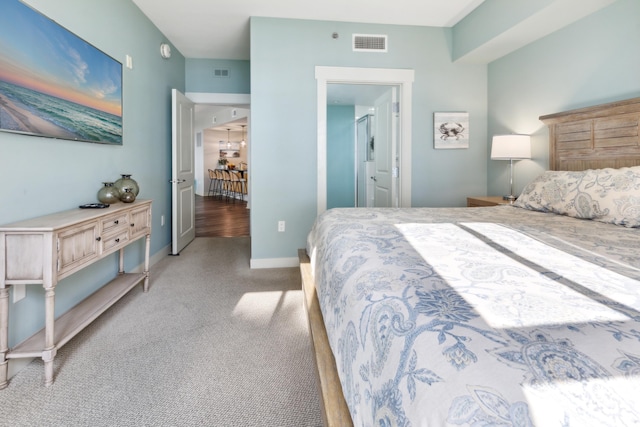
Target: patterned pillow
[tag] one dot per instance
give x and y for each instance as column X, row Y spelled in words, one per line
column 606, row 195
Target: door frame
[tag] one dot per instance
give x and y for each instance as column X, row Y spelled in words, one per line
column 403, row 78
column 239, row 100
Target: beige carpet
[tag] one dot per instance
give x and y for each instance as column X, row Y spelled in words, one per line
column 213, row 343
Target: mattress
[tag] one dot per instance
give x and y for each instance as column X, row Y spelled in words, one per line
column 480, row 316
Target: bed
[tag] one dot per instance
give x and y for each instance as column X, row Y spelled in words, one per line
column 508, row 315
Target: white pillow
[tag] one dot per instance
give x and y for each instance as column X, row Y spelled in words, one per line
column 606, row 195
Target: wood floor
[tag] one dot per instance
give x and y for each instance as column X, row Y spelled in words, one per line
column 221, row 218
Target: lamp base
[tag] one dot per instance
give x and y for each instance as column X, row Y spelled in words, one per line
column 510, row 198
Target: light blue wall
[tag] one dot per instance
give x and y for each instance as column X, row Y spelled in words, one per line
column 341, row 156
column 200, row 76
column 42, row 176
column 490, row 20
column 592, row 61
column 284, row 54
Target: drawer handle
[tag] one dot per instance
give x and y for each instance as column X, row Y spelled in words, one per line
column 116, row 221
column 98, row 238
column 132, row 224
column 117, row 240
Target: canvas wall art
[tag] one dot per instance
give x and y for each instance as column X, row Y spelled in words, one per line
column 451, row 130
column 229, row 150
column 53, row 83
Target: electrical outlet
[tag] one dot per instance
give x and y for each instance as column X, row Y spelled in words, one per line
column 280, row 226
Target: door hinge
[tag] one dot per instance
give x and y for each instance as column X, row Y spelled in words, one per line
column 395, row 107
column 395, row 172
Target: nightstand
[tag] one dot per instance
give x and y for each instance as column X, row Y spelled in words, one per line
column 474, row 202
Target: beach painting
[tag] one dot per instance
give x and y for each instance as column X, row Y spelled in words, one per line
column 53, row 83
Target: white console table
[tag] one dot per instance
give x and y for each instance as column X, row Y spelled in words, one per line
column 47, row 249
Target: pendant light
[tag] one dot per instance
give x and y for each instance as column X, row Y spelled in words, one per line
column 228, row 140
column 243, row 142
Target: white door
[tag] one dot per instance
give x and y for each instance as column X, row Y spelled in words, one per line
column 370, row 190
column 385, row 180
column 183, row 224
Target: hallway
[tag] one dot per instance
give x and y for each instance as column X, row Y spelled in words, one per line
column 220, row 218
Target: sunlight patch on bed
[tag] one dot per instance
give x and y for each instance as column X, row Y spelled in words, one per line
column 552, row 288
column 594, row 402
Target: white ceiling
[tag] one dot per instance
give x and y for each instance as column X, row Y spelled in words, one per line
column 219, row 29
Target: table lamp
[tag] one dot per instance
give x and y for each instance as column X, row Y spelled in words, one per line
column 511, row 147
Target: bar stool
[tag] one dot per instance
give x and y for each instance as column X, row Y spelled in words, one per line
column 238, row 185
column 232, row 185
column 214, row 183
column 226, row 184
column 220, row 182
column 245, row 184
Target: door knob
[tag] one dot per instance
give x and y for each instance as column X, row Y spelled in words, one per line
column 374, row 178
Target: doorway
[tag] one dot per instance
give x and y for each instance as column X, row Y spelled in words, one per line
column 401, row 78
column 362, row 141
column 215, row 217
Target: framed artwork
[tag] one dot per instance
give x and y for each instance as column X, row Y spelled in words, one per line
column 229, row 150
column 451, row 130
column 53, row 83
column 229, row 154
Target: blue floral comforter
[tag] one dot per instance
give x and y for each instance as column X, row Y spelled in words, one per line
column 495, row 316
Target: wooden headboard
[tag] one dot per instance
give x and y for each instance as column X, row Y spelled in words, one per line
column 602, row 136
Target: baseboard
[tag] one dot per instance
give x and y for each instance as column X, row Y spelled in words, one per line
column 160, row 255
column 274, row 262
column 153, row 259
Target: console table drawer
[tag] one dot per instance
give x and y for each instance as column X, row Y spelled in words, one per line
column 113, row 222
column 114, row 240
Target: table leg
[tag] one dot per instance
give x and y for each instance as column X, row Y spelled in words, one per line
column 49, row 352
column 147, row 247
column 121, row 261
column 4, row 336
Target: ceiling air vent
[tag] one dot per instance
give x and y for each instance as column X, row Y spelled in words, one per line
column 369, row 43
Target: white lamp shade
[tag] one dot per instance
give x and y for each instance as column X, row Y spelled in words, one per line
column 507, row 147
